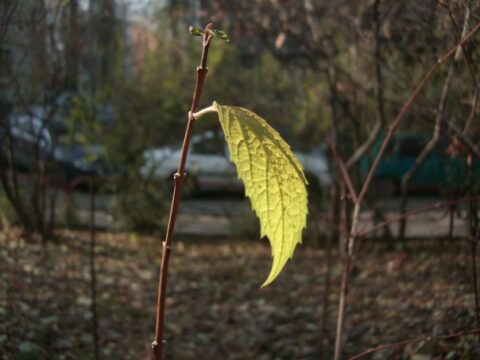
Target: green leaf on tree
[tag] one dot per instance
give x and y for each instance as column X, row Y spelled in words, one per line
column 273, row 177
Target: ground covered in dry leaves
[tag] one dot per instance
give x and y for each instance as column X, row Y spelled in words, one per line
column 216, row 309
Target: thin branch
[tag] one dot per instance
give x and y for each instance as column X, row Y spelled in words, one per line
column 472, row 231
column 473, row 111
column 93, row 272
column 467, row 58
column 459, row 36
column 413, row 341
column 334, row 218
column 7, row 17
column 351, row 239
column 427, row 149
column 464, row 139
column 379, row 96
column 343, row 171
column 416, row 211
column 158, row 343
column 397, row 121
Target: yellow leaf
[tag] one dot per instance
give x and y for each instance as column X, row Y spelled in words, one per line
column 273, row 177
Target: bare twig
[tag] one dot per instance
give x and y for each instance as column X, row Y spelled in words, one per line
column 427, row 149
column 437, row 132
column 416, row 211
column 398, row 120
column 342, row 303
column 464, row 139
column 343, row 171
column 473, row 111
column 351, row 239
column 472, row 229
column 6, row 18
column 158, row 343
column 93, row 273
column 413, row 341
column 333, row 234
column 379, row 98
column 459, row 34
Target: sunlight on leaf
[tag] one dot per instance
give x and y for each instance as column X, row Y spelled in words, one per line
column 273, row 177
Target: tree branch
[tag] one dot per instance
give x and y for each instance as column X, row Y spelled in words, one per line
column 343, row 171
column 379, row 98
column 398, row 120
column 464, row 139
column 158, row 343
column 412, row 341
column 416, row 211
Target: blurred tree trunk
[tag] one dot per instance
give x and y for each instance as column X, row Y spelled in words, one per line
column 72, row 47
column 106, row 38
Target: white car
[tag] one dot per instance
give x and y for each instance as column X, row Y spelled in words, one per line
column 29, row 138
column 209, row 168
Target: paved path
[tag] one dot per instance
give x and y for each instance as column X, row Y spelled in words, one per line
column 218, row 217
column 231, row 216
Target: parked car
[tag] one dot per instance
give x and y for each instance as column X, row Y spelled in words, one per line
column 78, row 161
column 438, row 171
column 27, row 137
column 210, row 169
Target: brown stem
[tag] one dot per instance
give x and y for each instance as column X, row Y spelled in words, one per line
column 353, row 236
column 378, row 217
column 451, row 221
column 465, row 140
column 378, row 90
column 437, row 132
column 459, row 33
column 416, row 211
column 412, row 341
column 93, row 273
column 473, row 111
column 472, row 228
column 334, row 215
column 347, row 180
column 475, row 282
column 342, row 305
column 397, row 121
column 347, row 249
column 158, row 343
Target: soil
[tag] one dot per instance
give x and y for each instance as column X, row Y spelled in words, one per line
column 215, row 306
